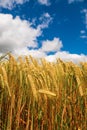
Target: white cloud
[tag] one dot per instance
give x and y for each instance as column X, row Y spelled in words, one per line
column 51, row 46
column 16, row 33
column 9, row 4
column 45, row 20
column 71, row 1
column 36, row 53
column 63, row 55
column 44, row 2
column 66, row 56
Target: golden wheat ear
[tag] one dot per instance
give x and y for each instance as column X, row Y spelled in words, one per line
column 47, row 92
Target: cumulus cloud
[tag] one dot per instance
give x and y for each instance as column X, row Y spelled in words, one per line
column 9, row 4
column 66, row 56
column 44, row 2
column 63, row 55
column 51, row 46
column 16, row 33
column 36, row 53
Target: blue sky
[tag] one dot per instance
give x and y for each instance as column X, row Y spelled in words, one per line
column 44, row 28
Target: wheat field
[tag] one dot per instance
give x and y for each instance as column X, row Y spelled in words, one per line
column 41, row 95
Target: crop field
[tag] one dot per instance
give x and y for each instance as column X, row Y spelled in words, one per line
column 41, row 95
